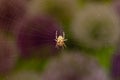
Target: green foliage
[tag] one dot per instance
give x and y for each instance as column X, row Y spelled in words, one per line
column 103, row 56
column 31, row 64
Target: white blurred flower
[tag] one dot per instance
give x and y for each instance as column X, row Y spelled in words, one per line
column 72, row 66
column 42, row 5
column 96, row 26
column 24, row 75
column 116, row 6
column 62, row 10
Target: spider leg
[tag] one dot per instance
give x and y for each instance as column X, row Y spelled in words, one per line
column 56, row 46
column 56, row 35
column 65, row 39
column 64, row 45
column 55, row 40
column 63, row 35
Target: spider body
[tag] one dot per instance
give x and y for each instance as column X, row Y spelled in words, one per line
column 60, row 40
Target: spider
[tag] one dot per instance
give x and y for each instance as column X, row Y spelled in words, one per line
column 60, row 40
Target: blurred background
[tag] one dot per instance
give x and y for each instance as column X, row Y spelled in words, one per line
column 59, row 40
